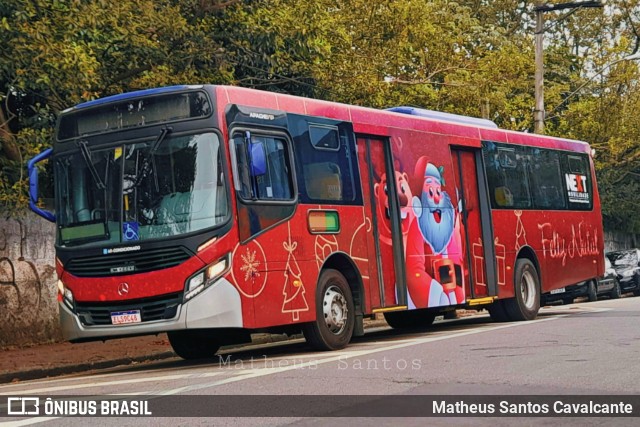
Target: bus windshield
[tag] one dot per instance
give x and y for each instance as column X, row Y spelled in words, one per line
column 141, row 191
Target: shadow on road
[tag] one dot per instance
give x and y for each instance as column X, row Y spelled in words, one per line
column 296, row 347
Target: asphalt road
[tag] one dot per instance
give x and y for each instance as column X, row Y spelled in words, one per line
column 579, row 349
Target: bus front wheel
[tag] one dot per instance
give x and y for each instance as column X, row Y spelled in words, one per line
column 335, row 313
column 193, row 344
column 526, row 303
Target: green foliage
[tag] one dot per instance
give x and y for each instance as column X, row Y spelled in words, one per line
column 472, row 57
column 13, row 179
column 58, row 53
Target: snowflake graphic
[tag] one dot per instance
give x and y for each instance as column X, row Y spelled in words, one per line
column 250, row 265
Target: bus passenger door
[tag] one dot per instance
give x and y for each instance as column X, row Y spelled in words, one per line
column 481, row 254
column 385, row 240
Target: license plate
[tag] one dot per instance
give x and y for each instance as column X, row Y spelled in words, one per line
column 124, row 317
column 557, row 291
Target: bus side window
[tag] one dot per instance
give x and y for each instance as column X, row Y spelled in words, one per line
column 271, row 180
column 326, row 160
column 507, row 169
column 323, row 181
column 546, row 179
column 577, row 177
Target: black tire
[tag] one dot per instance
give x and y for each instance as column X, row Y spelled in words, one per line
column 567, row 301
column 497, row 312
column 592, row 292
column 636, row 282
column 411, row 319
column 526, row 303
column 335, row 313
column 616, row 292
column 194, row 344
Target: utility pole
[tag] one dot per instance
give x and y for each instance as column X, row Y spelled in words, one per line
column 540, row 9
column 538, row 112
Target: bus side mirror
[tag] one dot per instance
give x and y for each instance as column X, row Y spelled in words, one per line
column 258, row 160
column 33, row 185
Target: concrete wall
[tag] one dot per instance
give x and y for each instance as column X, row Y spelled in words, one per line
column 615, row 241
column 28, row 306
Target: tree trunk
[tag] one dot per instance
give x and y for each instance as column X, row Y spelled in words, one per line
column 8, row 140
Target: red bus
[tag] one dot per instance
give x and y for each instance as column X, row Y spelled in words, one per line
column 211, row 212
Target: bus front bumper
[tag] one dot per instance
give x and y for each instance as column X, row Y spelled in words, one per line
column 218, row 306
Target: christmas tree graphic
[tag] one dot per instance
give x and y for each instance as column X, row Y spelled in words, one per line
column 521, row 234
column 293, row 291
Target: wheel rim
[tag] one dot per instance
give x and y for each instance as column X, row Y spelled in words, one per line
column 334, row 307
column 528, row 289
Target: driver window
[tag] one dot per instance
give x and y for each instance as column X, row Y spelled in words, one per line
column 263, row 167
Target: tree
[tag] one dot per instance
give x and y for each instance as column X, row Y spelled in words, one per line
column 472, row 57
column 60, row 53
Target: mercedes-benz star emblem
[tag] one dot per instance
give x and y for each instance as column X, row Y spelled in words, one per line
column 123, row 288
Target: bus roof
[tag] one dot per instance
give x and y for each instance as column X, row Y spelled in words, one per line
column 367, row 119
column 469, row 132
column 447, row 117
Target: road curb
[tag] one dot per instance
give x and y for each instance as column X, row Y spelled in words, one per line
column 34, row 374
column 41, row 373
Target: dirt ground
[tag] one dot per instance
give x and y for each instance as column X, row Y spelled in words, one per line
column 19, row 364
column 59, row 358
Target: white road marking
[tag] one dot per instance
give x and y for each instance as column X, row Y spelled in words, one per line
column 347, row 355
column 255, row 373
column 107, row 383
column 27, row 422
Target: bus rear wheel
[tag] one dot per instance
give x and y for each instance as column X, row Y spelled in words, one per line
column 526, row 303
column 497, row 311
column 417, row 319
column 193, row 344
column 335, row 313
column 592, row 292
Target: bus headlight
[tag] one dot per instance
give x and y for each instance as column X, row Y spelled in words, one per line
column 65, row 295
column 204, row 278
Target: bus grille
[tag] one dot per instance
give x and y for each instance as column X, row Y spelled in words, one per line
column 157, row 308
column 128, row 263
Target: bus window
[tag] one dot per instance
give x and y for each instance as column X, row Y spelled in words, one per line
column 271, row 180
column 577, row 165
column 326, row 164
column 546, row 179
column 507, row 176
column 322, row 181
column 578, row 182
column 324, row 137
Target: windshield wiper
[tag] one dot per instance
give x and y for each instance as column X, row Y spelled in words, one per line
column 166, row 130
column 86, row 155
column 163, row 133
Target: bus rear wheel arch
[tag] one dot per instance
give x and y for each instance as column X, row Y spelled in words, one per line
column 335, row 313
column 526, row 302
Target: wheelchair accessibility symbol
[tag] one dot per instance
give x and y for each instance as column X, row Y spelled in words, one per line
column 130, row 231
